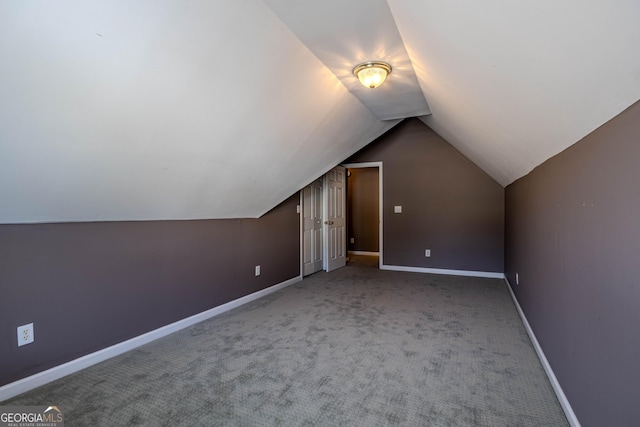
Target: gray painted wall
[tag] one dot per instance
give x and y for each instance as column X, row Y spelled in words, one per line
column 87, row 286
column 449, row 204
column 573, row 237
column 363, row 209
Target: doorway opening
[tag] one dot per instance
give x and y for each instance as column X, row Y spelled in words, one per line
column 364, row 212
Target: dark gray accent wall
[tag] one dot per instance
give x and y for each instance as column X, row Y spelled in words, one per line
column 449, row 205
column 573, row 238
column 87, row 286
column 363, row 209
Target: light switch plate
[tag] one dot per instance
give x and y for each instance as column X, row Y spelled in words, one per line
column 397, row 209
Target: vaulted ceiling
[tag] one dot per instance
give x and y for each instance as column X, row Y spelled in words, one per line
column 120, row 110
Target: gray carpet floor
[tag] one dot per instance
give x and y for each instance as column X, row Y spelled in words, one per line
column 357, row 346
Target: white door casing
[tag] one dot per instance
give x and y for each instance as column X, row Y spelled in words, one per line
column 335, row 223
column 312, row 251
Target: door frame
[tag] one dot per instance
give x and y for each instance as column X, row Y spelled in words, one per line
column 380, row 199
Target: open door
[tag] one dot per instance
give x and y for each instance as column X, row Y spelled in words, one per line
column 335, row 221
column 312, row 227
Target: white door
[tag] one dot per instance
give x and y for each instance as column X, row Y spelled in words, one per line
column 312, row 227
column 335, row 224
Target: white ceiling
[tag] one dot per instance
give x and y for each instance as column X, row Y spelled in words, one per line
column 511, row 84
column 342, row 36
column 119, row 110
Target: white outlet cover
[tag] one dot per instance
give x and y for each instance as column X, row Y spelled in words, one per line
column 517, row 279
column 257, row 270
column 427, row 252
column 25, row 334
column 397, row 209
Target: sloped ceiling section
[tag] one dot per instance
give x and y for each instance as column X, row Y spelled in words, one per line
column 118, row 110
column 511, row 84
column 343, row 34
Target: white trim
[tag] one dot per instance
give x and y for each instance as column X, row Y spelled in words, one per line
column 325, row 217
column 361, row 165
column 29, row 383
column 301, row 219
column 364, row 253
column 468, row 273
column 562, row 398
column 380, row 199
column 381, row 215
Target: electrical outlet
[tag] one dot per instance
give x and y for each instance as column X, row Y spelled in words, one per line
column 352, row 240
column 257, row 270
column 517, row 279
column 25, row 334
column 427, row 253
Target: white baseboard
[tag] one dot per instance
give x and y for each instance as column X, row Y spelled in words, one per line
column 29, row 383
column 562, row 398
column 364, row 253
column 468, row 273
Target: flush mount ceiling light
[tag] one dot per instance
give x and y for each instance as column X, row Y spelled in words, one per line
column 372, row 74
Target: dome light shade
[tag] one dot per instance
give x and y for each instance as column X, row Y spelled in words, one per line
column 372, row 74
